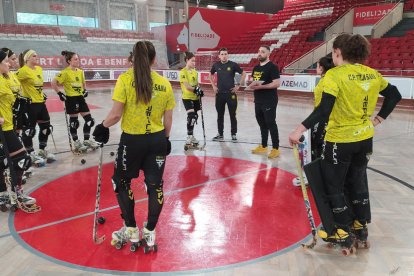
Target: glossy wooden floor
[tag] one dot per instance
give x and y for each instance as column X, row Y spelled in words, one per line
column 391, row 180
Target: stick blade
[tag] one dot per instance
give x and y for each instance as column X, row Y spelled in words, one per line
column 98, row 240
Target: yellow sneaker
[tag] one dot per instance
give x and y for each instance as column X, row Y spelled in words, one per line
column 259, row 150
column 274, row 153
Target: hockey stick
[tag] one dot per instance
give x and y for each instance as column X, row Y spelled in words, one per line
column 306, row 199
column 53, row 138
column 96, row 239
column 68, row 129
column 202, row 124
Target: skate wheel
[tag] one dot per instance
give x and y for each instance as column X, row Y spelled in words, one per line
column 186, row 148
column 330, row 245
column 348, row 251
column 155, row 248
column 13, row 208
column 133, row 248
column 3, row 208
column 146, row 249
column 362, row 244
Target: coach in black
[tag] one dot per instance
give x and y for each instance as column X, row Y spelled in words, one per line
column 266, row 80
column 226, row 90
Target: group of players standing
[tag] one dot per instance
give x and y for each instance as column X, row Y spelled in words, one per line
column 345, row 100
column 23, row 106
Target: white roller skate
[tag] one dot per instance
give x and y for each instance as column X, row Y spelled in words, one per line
column 25, row 199
column 49, row 157
column 79, row 147
column 149, row 238
column 90, row 144
column 125, row 234
column 191, row 143
column 37, row 161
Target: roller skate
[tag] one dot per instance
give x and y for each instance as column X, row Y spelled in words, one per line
column 90, row 145
column 191, row 143
column 5, row 202
column 79, row 148
column 49, row 157
column 121, row 237
column 25, row 199
column 28, row 173
column 360, row 232
column 340, row 239
column 37, row 161
column 148, row 237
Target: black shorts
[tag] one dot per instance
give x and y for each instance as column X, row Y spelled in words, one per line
column 191, row 104
column 76, row 104
column 144, row 152
column 12, row 141
column 38, row 112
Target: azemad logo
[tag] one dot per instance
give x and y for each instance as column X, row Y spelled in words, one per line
column 295, row 84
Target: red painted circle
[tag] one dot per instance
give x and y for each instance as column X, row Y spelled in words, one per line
column 217, row 212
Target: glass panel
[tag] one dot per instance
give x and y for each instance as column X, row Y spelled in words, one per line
column 36, row 18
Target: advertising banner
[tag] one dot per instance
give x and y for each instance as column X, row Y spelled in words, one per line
column 97, row 75
column 370, row 15
column 85, row 62
column 296, row 2
column 296, row 83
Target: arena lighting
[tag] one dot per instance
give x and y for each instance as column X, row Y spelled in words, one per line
column 212, row 6
column 239, row 8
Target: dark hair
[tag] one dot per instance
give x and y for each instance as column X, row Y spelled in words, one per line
column 188, row 56
column 21, row 58
column 265, row 46
column 8, row 51
column 68, row 55
column 3, row 56
column 131, row 57
column 326, row 63
column 223, row 49
column 354, row 48
column 144, row 55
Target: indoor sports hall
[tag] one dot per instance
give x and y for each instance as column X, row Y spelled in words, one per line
column 226, row 211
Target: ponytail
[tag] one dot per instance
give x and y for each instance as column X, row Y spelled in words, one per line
column 143, row 57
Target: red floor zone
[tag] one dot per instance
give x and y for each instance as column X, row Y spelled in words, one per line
column 217, row 212
column 53, row 104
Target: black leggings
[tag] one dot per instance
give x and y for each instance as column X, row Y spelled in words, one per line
column 266, row 118
column 344, row 168
column 231, row 100
column 140, row 152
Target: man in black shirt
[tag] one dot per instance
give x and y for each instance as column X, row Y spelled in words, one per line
column 226, row 91
column 266, row 80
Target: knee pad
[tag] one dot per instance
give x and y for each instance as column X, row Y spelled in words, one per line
column 192, row 118
column 74, row 122
column 89, row 121
column 29, row 132
column 22, row 161
column 45, row 128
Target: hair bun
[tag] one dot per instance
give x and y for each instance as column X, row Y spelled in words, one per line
column 64, row 53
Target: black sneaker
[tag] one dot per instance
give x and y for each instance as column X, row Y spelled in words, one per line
column 233, row 138
column 218, row 137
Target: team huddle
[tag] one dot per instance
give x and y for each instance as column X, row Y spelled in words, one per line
column 340, row 124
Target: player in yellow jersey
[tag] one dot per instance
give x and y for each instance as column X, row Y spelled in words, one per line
column 318, row 130
column 73, row 82
column 20, row 112
column 30, row 76
column 21, row 160
column 350, row 94
column 144, row 101
column 191, row 96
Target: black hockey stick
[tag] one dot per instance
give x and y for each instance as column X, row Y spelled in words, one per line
column 202, row 124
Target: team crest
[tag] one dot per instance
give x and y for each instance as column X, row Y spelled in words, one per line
column 365, row 86
column 77, row 78
column 39, row 76
column 228, row 68
column 160, row 161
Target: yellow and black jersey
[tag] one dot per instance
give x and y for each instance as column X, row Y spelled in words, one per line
column 7, row 99
column 140, row 118
column 356, row 88
column 190, row 77
column 317, row 92
column 14, row 84
column 32, row 83
column 72, row 81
